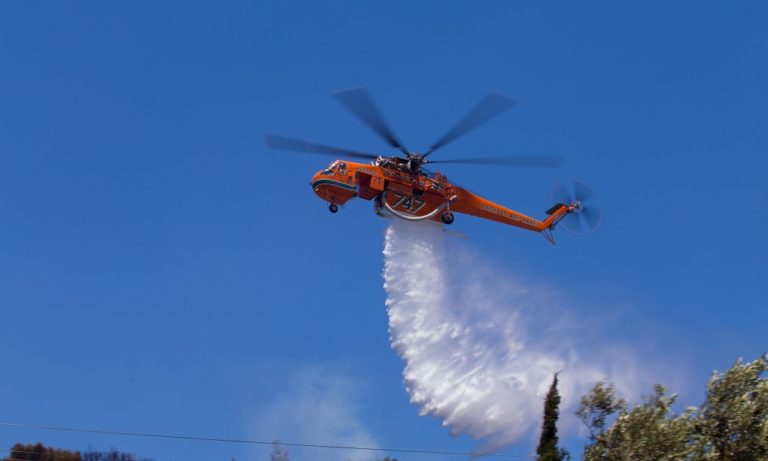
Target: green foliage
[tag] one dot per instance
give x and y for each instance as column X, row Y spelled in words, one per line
column 650, row 431
column 38, row 452
column 733, row 422
column 732, row 425
column 548, row 449
column 597, row 406
column 111, row 455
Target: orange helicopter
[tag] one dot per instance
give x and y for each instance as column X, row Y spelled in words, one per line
column 401, row 187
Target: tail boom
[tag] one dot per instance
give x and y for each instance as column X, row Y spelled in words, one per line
column 468, row 203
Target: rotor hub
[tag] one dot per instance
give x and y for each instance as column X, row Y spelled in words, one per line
column 582, row 215
column 576, row 206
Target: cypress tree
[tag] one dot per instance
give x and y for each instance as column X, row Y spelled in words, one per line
column 547, row 449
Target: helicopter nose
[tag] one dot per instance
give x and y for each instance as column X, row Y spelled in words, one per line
column 317, row 185
column 313, row 181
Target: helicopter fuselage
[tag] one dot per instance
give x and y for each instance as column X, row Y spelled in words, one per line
column 398, row 191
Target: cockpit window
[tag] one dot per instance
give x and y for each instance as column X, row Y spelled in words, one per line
column 331, row 168
column 342, row 168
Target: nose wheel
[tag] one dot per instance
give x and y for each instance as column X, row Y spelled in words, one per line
column 333, row 208
column 447, row 217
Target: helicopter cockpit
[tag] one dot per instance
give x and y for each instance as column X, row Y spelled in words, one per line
column 337, row 166
column 331, row 169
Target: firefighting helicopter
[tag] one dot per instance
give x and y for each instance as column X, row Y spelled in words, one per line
column 401, row 187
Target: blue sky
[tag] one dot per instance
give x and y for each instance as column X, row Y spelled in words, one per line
column 161, row 271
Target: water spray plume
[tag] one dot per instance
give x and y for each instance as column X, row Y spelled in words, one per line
column 476, row 353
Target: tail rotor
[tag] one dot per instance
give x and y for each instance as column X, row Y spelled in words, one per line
column 582, row 217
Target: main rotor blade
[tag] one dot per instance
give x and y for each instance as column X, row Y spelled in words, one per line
column 297, row 145
column 359, row 102
column 545, row 161
column 488, row 108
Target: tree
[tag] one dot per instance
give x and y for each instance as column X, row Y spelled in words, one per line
column 596, row 407
column 647, row 432
column 732, row 425
column 733, row 422
column 111, row 455
column 279, row 452
column 548, row 449
column 39, row 452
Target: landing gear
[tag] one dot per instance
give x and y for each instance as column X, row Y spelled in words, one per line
column 447, row 217
column 333, row 208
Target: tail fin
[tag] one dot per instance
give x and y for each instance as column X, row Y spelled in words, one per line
column 556, row 213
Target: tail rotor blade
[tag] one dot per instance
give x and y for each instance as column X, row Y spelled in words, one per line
column 359, row 102
column 488, row 108
column 581, row 217
column 582, row 191
column 593, row 216
column 572, row 223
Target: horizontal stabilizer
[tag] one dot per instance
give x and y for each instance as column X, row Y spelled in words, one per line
column 554, row 209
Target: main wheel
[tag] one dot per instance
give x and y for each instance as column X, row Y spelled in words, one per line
column 447, row 217
column 333, row 208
